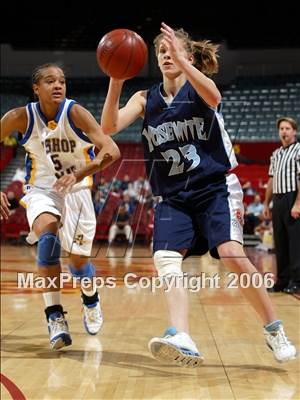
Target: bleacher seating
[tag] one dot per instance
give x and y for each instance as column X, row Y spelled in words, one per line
column 252, row 105
column 105, row 217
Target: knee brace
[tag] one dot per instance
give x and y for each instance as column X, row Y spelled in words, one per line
column 48, row 250
column 86, row 271
column 168, row 263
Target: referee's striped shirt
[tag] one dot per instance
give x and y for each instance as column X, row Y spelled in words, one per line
column 285, row 168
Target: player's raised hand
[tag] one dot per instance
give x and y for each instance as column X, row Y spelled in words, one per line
column 170, row 40
column 65, row 183
column 4, row 204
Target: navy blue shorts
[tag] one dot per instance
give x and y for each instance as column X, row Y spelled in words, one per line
column 200, row 219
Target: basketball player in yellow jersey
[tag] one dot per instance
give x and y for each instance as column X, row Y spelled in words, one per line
column 59, row 137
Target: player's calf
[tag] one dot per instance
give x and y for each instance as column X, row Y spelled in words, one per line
column 48, row 254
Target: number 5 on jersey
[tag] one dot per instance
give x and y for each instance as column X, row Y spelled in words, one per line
column 58, row 166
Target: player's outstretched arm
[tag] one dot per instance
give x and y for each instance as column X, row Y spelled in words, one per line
column 113, row 119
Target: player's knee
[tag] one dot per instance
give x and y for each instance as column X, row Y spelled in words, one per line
column 48, row 251
column 168, row 263
column 231, row 251
column 85, row 271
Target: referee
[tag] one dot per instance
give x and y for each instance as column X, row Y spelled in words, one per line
column 284, row 189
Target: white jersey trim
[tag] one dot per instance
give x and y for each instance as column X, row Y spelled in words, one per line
column 226, row 142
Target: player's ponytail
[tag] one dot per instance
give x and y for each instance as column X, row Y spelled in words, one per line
column 205, row 55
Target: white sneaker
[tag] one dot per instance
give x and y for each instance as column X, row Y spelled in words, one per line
column 92, row 319
column 176, row 348
column 282, row 348
column 58, row 331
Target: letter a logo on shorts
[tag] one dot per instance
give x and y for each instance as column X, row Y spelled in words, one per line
column 79, row 239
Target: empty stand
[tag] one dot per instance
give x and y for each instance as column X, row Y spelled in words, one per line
column 252, row 105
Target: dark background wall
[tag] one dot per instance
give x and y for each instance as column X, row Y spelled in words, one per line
column 257, row 37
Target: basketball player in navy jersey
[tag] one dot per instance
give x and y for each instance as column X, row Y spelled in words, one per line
column 188, row 157
column 59, row 137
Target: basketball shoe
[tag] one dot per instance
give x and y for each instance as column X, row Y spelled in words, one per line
column 92, row 318
column 58, row 331
column 177, row 348
column 278, row 342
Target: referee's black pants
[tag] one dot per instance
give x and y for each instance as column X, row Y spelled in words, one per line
column 286, row 230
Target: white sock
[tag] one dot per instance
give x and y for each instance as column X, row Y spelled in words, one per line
column 89, row 292
column 51, row 298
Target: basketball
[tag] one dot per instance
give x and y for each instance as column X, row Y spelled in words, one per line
column 121, row 54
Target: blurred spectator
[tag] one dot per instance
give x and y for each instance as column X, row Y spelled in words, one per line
column 262, row 185
column 14, row 203
column 114, row 192
column 248, row 189
column 129, row 203
column 103, row 188
column 265, row 231
column 141, row 183
column 265, row 225
column 102, row 183
column 120, row 225
column 98, row 202
column 115, row 184
column 256, row 208
column 130, row 191
column 125, row 183
column 19, row 175
column 145, row 197
column 10, row 141
column 253, row 214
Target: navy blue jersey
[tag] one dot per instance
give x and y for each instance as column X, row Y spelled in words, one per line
column 185, row 142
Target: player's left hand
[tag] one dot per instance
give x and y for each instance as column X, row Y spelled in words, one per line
column 172, row 43
column 65, row 183
column 295, row 211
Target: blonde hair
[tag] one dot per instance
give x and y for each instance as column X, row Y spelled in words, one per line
column 290, row 120
column 204, row 51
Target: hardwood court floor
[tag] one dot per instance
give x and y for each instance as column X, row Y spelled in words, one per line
column 116, row 363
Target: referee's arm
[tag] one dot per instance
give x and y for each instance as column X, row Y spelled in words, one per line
column 295, row 211
column 268, row 198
